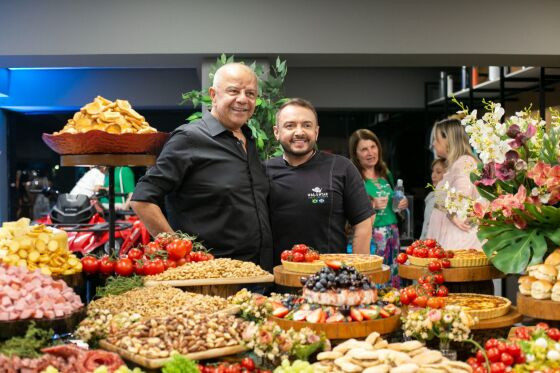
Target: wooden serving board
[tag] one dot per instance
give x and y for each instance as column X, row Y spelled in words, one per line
column 292, row 279
column 513, row 316
column 461, row 274
column 344, row 330
column 158, row 363
column 60, row 325
column 212, row 281
column 538, row 308
column 108, row 160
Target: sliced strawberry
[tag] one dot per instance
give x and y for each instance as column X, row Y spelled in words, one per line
column 276, row 305
column 337, row 317
column 280, row 312
column 300, row 315
column 334, row 264
column 315, row 316
column 369, row 314
column 356, row 315
column 391, row 308
column 384, row 314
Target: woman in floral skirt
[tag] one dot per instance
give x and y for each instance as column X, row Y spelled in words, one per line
column 366, row 154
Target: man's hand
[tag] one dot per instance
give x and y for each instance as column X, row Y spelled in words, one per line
column 362, row 236
column 150, row 214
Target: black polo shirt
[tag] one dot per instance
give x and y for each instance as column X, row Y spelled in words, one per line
column 213, row 189
column 311, row 203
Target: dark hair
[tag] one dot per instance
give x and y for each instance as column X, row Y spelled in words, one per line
column 297, row 102
column 364, row 134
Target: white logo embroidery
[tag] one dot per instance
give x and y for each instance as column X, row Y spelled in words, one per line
column 317, row 196
column 316, row 190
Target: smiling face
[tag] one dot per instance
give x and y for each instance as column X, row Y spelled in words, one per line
column 440, row 145
column 297, row 131
column 234, row 95
column 367, row 153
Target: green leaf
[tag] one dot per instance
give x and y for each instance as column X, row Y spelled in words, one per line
column 260, row 143
column 259, row 102
column 194, row 117
column 553, row 235
column 510, row 249
column 546, row 215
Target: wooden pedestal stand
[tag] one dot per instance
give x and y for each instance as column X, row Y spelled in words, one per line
column 537, row 308
column 459, row 279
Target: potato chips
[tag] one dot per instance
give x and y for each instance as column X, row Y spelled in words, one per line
column 105, row 115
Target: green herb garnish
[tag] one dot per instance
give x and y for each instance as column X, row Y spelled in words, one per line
column 118, row 285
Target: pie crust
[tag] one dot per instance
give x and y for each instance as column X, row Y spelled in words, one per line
column 363, row 263
column 479, row 305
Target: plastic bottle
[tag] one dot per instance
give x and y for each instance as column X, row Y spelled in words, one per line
column 398, row 195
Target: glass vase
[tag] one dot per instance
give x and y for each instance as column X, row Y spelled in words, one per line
column 446, row 350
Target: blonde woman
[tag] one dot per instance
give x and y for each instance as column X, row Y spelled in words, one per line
column 452, row 143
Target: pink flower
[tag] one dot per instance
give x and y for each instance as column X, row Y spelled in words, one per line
column 434, row 315
column 507, row 202
column 264, row 337
column 539, row 173
column 480, row 208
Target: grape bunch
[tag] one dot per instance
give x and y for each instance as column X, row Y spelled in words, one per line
column 298, row 366
column 345, row 277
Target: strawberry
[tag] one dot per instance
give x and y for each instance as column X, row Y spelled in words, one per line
column 369, row 314
column 280, row 312
column 356, row 315
column 315, row 316
column 300, row 315
column 334, row 264
column 391, row 308
column 384, row 314
column 337, row 317
column 276, row 305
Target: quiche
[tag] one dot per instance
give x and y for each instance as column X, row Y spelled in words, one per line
column 461, row 258
column 362, row 262
column 480, row 305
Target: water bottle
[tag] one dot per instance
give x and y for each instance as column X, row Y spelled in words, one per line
column 398, row 195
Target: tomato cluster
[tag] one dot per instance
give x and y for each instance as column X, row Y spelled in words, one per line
column 246, row 365
column 300, row 253
column 501, row 355
column 427, row 249
column 167, row 251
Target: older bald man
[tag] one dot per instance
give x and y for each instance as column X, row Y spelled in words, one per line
column 210, row 176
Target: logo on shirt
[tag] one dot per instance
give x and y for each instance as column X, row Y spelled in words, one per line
column 317, row 196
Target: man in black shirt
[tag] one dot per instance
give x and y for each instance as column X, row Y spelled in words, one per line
column 312, row 193
column 211, row 178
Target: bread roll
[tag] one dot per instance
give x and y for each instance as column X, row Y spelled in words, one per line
column 525, row 283
column 556, row 292
column 541, row 289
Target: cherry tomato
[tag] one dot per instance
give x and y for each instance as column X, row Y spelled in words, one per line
column 493, row 354
column 411, row 292
column 416, row 243
column 248, row 363
column 298, row 257
column 480, row 357
column 480, row 369
column 169, row 263
column 151, row 248
column 498, row 367
column 286, row 255
column 513, row 349
column 124, row 267
column 450, row 254
column 301, row 248
column 428, row 287
column 106, row 266
column 434, row 266
column 553, row 333
column 445, row 263
column 402, row 258
column 178, row 248
column 440, row 253
column 309, row 256
column 520, row 359
column 523, row 333
column 542, row 325
column 492, row 342
column 430, row 243
column 404, row 298
column 433, row 303
column 90, row 264
column 138, row 267
column 507, row 359
column 134, row 254
column 442, row 291
column 432, row 253
column 472, row 361
column 438, row 279
column 184, row 260
column 420, row 301
column 421, row 252
column 410, row 250
column 501, row 346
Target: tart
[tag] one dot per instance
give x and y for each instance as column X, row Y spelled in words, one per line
column 361, row 262
column 461, row 258
column 479, row 305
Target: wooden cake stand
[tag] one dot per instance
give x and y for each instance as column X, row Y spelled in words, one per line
column 544, row 309
column 459, row 279
column 293, row 279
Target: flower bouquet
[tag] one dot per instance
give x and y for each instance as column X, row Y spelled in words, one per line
column 519, row 182
column 451, row 323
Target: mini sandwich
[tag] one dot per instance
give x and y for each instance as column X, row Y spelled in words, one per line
column 556, row 292
column 545, row 272
column 541, row 289
column 554, row 259
column 525, row 283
